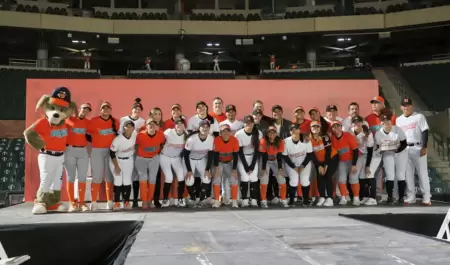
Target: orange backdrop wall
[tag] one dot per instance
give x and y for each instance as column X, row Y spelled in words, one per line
column 164, row 93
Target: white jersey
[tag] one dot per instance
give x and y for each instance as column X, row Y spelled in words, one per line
column 235, row 125
column 337, row 118
column 347, row 124
column 363, row 141
column 245, row 141
column 216, row 61
column 123, row 146
column 199, row 148
column 296, row 151
column 174, row 143
column 390, row 141
column 137, row 123
column 413, row 126
column 194, row 121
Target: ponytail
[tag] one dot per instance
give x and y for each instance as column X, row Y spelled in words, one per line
column 113, row 123
column 255, row 138
column 210, row 118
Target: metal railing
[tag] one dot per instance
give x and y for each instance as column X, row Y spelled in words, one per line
column 22, row 62
column 442, row 146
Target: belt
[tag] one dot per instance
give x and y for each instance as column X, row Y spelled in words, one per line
column 147, row 157
column 249, row 154
column 273, row 159
column 51, row 153
column 226, row 162
column 123, row 158
column 75, row 146
column 414, row 144
column 197, row 158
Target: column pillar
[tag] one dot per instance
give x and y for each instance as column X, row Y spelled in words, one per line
column 216, row 4
column 247, row 4
column 273, row 7
column 311, row 57
column 139, row 3
column 42, row 54
column 81, row 4
column 112, row 2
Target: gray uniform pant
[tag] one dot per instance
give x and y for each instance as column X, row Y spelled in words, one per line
column 100, row 165
column 76, row 163
column 147, row 168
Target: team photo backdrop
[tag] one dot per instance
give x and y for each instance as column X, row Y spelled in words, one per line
column 165, row 93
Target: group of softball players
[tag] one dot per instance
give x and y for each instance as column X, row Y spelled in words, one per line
column 212, row 158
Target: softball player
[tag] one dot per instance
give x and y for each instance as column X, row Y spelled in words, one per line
column 76, row 159
column 326, row 162
column 297, row 156
column 235, row 125
column 198, row 157
column 122, row 164
column 226, row 152
column 353, row 110
column 103, row 129
column 391, row 141
column 271, row 148
column 347, row 148
column 217, row 110
column 248, row 138
column 157, row 116
column 365, row 145
column 202, row 114
column 299, row 118
column 415, row 127
column 138, row 123
column 171, row 161
column 149, row 144
column 315, row 115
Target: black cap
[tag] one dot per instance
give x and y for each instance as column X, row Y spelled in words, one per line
column 248, row 119
column 200, row 103
column 179, row 120
column 357, row 118
column 294, row 126
column 60, row 97
column 277, row 107
column 331, row 107
column 128, row 122
column 230, row 108
column 204, row 122
column 406, row 101
column 385, row 117
column 257, row 112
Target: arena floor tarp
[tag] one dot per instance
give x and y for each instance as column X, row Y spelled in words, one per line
column 165, row 93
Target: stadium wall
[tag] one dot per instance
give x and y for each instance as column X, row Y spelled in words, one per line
column 164, row 93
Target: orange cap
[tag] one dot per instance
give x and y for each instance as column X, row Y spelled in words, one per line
column 104, row 104
column 379, row 99
column 315, row 123
column 335, row 122
column 299, row 108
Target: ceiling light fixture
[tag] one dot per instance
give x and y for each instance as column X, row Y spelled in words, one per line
column 75, row 41
column 209, row 44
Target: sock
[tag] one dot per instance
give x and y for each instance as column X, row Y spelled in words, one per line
column 355, row 189
column 390, row 187
column 204, row 191
column 143, row 188
column 216, row 191
column 95, row 188
column 282, row 191
column 117, row 190
column 299, row 190
column 70, row 191
column 244, row 189
column 343, row 189
column 197, row 186
column 166, row 190
column 81, row 192
column 306, row 198
column 363, row 188
column 135, row 190
column 372, row 188
column 151, row 192
column 109, row 191
column 191, row 191
column 174, row 189
column 234, row 192
column 181, row 187
column 263, row 188
column 254, row 190
column 292, row 191
column 401, row 189
column 126, row 192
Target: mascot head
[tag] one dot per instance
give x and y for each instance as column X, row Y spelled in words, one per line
column 58, row 106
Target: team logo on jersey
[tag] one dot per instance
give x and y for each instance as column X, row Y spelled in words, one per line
column 106, row 131
column 61, row 133
column 79, row 130
column 342, row 151
column 151, row 149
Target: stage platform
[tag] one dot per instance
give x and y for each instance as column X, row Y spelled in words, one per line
column 314, row 236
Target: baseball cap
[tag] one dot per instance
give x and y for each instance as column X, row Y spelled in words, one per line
column 315, row 123
column 230, row 108
column 200, row 103
column 272, row 128
column 331, row 107
column 357, row 119
column 313, row 109
column 336, row 122
column 86, row 105
column 150, row 120
column 174, row 106
column 224, row 127
column 179, row 120
column 105, row 104
column 277, row 107
column 378, row 99
column 406, row 101
column 257, row 112
column 385, row 117
column 248, row 119
column 294, row 126
column 204, row 122
column 299, row 108
column 128, row 122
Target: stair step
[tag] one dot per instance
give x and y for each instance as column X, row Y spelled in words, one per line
column 442, row 170
column 438, row 164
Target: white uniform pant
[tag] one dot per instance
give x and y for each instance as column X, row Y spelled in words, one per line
column 216, row 67
column 126, row 170
column 87, row 65
column 395, row 165
column 168, row 163
column 200, row 167
column 272, row 65
column 51, row 172
column 76, row 163
column 245, row 177
column 147, row 168
column 303, row 177
column 272, row 165
column 375, row 169
column 417, row 164
column 361, row 170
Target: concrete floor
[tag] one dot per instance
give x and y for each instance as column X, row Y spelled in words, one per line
column 314, row 236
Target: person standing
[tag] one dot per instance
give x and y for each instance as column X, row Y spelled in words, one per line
column 281, row 123
column 259, row 105
column 217, row 112
column 353, row 111
column 216, row 63
column 416, row 128
column 148, row 60
column 260, row 123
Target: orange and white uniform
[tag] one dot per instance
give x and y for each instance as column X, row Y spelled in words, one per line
column 271, row 160
column 220, row 118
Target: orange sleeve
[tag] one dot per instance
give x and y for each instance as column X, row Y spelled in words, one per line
column 262, row 146
column 352, row 142
column 235, row 144
column 91, row 126
column 281, row 147
column 138, row 139
column 70, row 121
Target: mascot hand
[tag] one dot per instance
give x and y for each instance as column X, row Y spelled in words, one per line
column 33, row 138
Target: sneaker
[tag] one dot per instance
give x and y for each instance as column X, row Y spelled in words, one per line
column 284, row 204
column 109, row 205
column 328, row 202
column 226, row 200
column 390, row 201
column 191, row 203
column 145, row 205
column 174, row 203
column 216, row 204
column 410, row 200
column 364, row 200
column 234, row 204
column 117, row 206
column 356, row 201
column 135, row 204
column 73, row 207
column 264, row 204
column 371, row 202
column 209, row 201
column 254, row 203
column 165, row 204
column 320, row 202
column 127, row 206
column 426, row 202
column 151, row 205
column 94, row 206
column 343, row 201
column 84, row 207
column 245, row 203
column 275, row 201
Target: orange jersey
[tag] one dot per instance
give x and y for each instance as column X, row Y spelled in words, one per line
column 226, row 149
column 77, row 131
column 149, row 146
column 55, row 137
column 102, row 132
column 319, row 145
column 344, row 146
column 220, row 118
column 272, row 151
column 304, row 126
column 375, row 123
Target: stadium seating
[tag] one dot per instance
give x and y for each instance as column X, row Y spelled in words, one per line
column 12, row 169
column 317, row 74
column 430, row 81
column 14, row 86
column 180, row 75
